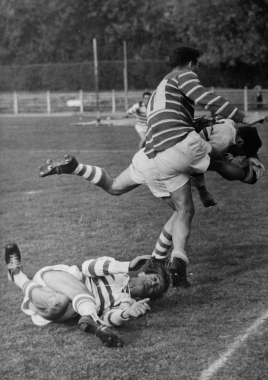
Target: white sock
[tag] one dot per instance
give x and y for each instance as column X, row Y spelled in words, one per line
column 20, row 279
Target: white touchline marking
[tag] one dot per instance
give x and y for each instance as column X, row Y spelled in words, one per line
column 34, row 191
column 214, row 367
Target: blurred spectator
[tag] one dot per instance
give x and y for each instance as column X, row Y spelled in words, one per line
column 141, row 118
column 258, row 96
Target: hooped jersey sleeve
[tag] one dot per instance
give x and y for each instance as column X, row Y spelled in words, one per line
column 190, row 85
column 113, row 316
column 104, row 266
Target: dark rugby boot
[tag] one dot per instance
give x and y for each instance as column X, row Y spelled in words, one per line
column 65, row 166
column 178, row 273
column 13, row 260
column 104, row 333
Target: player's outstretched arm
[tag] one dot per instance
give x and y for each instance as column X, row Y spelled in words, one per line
column 138, row 262
column 138, row 309
column 104, row 266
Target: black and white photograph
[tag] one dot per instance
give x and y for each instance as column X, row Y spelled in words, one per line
column 133, row 190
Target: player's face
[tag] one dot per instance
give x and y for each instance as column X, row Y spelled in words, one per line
column 146, row 99
column 149, row 285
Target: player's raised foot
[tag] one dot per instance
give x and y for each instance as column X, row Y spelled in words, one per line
column 104, row 333
column 208, row 200
column 64, row 166
column 13, row 260
column 206, row 197
column 178, row 273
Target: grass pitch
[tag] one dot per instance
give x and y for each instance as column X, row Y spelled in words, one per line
column 64, row 219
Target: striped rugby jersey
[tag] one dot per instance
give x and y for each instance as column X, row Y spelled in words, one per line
column 170, row 110
column 141, row 116
column 108, row 280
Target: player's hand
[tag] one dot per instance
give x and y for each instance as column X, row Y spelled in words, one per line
column 203, row 122
column 138, row 262
column 257, row 166
column 138, row 309
column 238, row 160
column 251, row 119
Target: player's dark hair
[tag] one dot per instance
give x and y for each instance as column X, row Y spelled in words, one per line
column 154, row 266
column 182, row 56
column 252, row 141
column 146, row 93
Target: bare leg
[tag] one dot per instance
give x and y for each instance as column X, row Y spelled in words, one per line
column 52, row 301
column 185, row 211
column 122, row 184
column 48, row 303
column 43, row 301
column 180, row 234
column 64, row 283
column 142, row 140
column 84, row 303
column 198, row 180
column 94, row 174
column 169, row 202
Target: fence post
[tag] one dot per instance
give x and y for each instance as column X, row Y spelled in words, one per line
column 245, row 98
column 15, row 101
column 212, row 89
column 81, row 101
column 113, row 102
column 48, row 102
column 125, row 75
column 96, row 71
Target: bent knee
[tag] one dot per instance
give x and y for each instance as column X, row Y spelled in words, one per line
column 57, row 304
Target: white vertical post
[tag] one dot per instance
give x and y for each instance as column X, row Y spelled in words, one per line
column 113, row 102
column 81, row 101
column 96, row 77
column 15, row 101
column 48, row 102
column 125, row 75
column 212, row 89
column 245, row 98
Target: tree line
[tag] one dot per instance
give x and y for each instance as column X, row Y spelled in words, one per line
column 231, row 34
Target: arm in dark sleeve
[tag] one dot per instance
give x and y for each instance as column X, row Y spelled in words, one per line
column 190, row 85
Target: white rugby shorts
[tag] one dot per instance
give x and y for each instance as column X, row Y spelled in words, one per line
column 70, row 313
column 141, row 129
column 176, row 163
column 144, row 172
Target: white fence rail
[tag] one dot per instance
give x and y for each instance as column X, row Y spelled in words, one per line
column 109, row 102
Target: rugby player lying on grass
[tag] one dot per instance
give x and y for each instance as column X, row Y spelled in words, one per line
column 243, row 142
column 103, row 293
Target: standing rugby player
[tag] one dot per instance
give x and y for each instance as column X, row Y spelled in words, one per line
column 174, row 145
column 141, row 119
